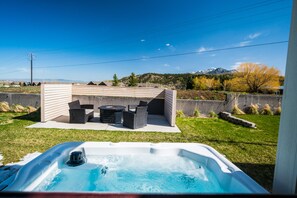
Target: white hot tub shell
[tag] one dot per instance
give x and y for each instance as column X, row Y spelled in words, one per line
column 229, row 176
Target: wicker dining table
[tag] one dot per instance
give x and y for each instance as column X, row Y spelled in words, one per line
column 111, row 113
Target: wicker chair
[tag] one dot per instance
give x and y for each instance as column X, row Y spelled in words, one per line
column 80, row 113
column 132, row 108
column 137, row 119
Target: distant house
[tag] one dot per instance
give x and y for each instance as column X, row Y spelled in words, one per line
column 91, row 83
column 105, row 83
column 273, row 90
column 280, row 90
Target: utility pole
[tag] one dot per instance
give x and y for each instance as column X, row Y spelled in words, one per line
column 31, row 61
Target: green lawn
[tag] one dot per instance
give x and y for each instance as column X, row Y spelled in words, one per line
column 252, row 150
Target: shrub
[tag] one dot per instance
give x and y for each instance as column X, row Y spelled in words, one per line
column 278, row 110
column 266, row 110
column 4, row 107
column 253, row 109
column 180, row 114
column 30, row 109
column 237, row 111
column 196, row 113
column 212, row 114
column 17, row 108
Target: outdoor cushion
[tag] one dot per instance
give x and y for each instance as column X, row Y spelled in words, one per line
column 74, row 105
column 132, row 108
column 89, row 111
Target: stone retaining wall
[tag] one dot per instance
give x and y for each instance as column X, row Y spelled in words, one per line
column 227, row 116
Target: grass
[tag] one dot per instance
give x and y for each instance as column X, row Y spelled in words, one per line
column 252, row 150
column 26, row 89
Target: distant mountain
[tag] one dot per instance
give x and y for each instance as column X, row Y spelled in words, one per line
column 177, row 81
column 215, row 71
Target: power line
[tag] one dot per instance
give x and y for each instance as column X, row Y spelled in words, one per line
column 181, row 24
column 235, row 19
column 214, row 24
column 174, row 33
column 165, row 56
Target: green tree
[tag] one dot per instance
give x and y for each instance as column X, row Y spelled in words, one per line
column 115, row 81
column 133, row 81
column 189, row 84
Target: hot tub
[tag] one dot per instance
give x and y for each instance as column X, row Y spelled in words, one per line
column 182, row 168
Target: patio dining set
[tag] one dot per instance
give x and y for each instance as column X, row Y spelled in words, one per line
column 135, row 117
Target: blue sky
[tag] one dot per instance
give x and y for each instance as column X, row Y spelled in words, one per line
column 61, row 33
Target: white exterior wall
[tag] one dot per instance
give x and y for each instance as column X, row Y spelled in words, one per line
column 136, row 92
column 170, row 106
column 286, row 160
column 54, row 100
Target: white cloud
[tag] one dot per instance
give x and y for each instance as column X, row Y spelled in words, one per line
column 236, row 64
column 142, row 40
column 159, row 49
column 166, row 65
column 249, row 39
column 244, row 43
column 203, row 49
column 144, row 58
column 170, row 47
column 212, row 55
column 255, row 35
column 177, row 67
column 23, row 69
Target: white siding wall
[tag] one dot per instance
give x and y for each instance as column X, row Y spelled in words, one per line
column 136, row 92
column 170, row 106
column 285, row 174
column 54, row 100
